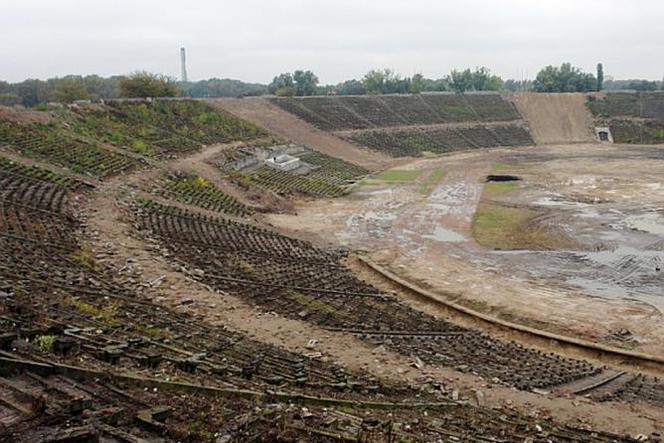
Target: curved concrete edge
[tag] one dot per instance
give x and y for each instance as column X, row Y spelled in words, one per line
column 579, row 343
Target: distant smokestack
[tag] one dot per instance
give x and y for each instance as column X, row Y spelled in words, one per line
column 183, row 63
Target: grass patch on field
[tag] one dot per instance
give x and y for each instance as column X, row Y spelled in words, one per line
column 397, row 175
column 498, row 225
column 512, row 228
column 431, row 181
column 497, row 189
column 501, row 227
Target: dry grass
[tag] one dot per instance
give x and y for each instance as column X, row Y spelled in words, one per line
column 309, row 303
column 500, row 226
column 397, row 176
column 84, row 257
column 430, row 182
column 105, row 314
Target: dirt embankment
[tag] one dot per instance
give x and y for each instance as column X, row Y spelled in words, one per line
column 19, row 114
column 264, row 114
column 556, row 118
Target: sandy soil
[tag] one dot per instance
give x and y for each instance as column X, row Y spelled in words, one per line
column 556, row 118
column 263, row 113
column 608, row 198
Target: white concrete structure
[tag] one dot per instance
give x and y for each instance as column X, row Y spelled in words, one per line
column 283, row 162
column 604, row 134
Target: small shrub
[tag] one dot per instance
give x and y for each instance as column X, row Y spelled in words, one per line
column 44, row 342
column 106, row 314
column 84, row 257
column 201, row 182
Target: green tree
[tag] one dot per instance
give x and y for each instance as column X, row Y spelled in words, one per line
column 147, row 84
column 33, row 92
column 518, row 85
column 480, row 79
column 565, row 78
column 225, row 87
column 374, row 81
column 417, row 84
column 385, row 81
column 282, row 85
column 70, row 89
column 99, row 87
column 600, row 76
column 642, row 85
column 306, row 82
column 350, row 87
column 460, row 81
column 298, row 83
column 440, row 84
column 9, row 99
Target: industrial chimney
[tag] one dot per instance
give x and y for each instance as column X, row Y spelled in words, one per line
column 183, row 63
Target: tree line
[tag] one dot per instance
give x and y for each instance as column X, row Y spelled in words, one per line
column 71, row 88
column 385, row 81
column 563, row 78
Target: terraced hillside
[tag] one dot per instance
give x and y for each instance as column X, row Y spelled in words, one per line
column 192, row 119
column 118, row 129
column 633, row 117
column 195, row 190
column 319, row 175
column 159, row 306
column 378, row 111
column 294, row 279
column 437, row 140
column 60, row 306
column 53, row 144
column 85, row 356
column 105, row 140
column 418, row 123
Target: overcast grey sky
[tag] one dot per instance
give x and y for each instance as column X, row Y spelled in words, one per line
column 253, row 40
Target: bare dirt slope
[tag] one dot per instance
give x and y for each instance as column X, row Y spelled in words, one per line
column 265, row 114
column 556, row 118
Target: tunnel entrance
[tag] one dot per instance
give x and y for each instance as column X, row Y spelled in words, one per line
column 604, row 134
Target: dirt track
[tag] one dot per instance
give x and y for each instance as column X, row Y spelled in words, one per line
column 265, row 114
column 556, row 118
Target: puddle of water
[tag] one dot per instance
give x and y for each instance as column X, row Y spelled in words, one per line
column 584, row 210
column 652, row 223
column 598, row 288
column 557, row 201
column 445, row 235
column 611, row 256
column 377, row 192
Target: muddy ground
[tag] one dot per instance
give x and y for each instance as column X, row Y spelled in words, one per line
column 599, row 275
